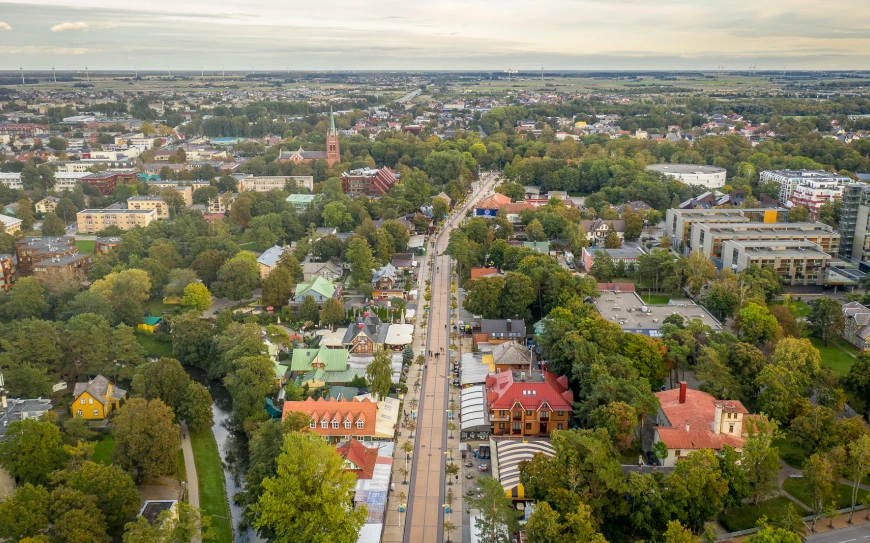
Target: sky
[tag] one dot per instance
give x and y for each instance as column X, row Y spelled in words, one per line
column 435, row 34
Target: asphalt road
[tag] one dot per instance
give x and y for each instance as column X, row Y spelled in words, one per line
column 426, row 492
column 852, row 534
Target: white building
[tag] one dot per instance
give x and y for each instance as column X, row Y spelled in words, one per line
column 812, row 193
column 12, row 180
column 711, row 177
column 272, row 182
column 789, row 179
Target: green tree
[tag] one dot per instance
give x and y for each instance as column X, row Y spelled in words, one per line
column 379, row 374
column 25, row 513
column 497, row 521
column 52, row 225
column 196, row 407
column 114, row 491
column 278, row 287
column 25, row 213
column 332, row 313
column 252, row 379
column 192, row 340
column 699, row 271
column 535, row 231
column 857, row 467
column 126, row 291
column 310, row 498
column 196, row 297
column 146, row 439
column 359, row 256
column 760, row 460
column 127, row 353
column 677, row 534
column 757, row 325
column 770, row 534
column 66, row 209
column 89, row 343
column 164, row 379
column 798, row 214
column 602, row 268
column 516, row 296
column 826, row 319
column 820, row 476
column 240, row 212
column 292, row 265
column 237, row 277
column 696, row 488
column 308, row 311
column 25, row 300
column 32, row 450
column 612, row 241
column 186, row 523
column 547, row 526
column 483, row 296
column 207, row 264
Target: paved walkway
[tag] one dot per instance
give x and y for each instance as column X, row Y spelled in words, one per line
column 425, row 495
column 189, row 467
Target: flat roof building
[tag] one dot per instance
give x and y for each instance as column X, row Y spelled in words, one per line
column 789, row 179
column 711, row 177
column 94, row 220
column 632, row 314
column 708, row 238
column 275, row 182
column 797, row 263
column 678, row 222
column 160, row 207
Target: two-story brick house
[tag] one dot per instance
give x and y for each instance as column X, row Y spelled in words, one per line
column 528, row 403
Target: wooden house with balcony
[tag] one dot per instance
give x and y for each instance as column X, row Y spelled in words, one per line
column 528, row 403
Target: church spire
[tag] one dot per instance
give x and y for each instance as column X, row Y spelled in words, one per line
column 331, row 120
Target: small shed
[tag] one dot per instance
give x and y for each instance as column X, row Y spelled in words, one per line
column 150, row 324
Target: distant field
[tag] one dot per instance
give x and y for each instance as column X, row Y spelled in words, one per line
column 85, row 246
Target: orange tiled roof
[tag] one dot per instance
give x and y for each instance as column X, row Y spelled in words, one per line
column 676, row 437
column 477, row 273
column 341, row 411
column 699, row 409
column 361, row 456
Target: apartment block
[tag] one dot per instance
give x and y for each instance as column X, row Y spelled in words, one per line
column 63, row 269
column 798, row 263
column 789, row 179
column 368, row 181
column 8, row 269
column 160, row 207
column 812, row 194
column 854, row 224
column 221, row 203
column 708, row 238
column 275, row 182
column 93, row 220
column 106, row 181
column 30, row 251
column 678, row 222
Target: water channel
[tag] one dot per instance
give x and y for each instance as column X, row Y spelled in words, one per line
column 232, row 448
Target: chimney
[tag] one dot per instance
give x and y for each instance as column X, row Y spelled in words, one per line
column 717, row 419
column 682, row 392
column 508, row 325
column 687, row 426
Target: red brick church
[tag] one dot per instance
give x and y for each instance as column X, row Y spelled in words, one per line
column 301, row 156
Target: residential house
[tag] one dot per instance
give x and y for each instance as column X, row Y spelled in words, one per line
column 221, row 203
column 690, row 420
column 404, row 262
column 107, row 181
column 95, row 399
column 358, row 459
column 501, row 330
column 366, row 334
column 511, row 356
column 47, row 205
column 490, row 205
column 857, row 329
column 597, row 229
column 387, row 277
column 338, row 420
column 60, row 270
column 32, row 250
column 477, row 273
column 8, row 270
column 94, row 220
column 105, row 245
column 443, row 196
column 627, row 254
column 319, row 288
column 10, row 224
column 150, row 324
column 268, row 261
column 12, row 409
column 329, row 270
column 305, row 360
column 368, row 181
column 528, row 404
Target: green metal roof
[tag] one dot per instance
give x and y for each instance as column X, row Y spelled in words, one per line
column 319, row 285
column 332, row 376
column 151, row 321
column 332, row 359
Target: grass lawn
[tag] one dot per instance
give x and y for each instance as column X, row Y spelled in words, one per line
column 103, row 450
column 253, row 246
column 791, row 453
column 85, row 246
column 655, row 299
column 212, row 492
column 798, row 307
column 153, row 345
column 746, row 516
column 156, row 307
column 842, row 493
column 833, row 356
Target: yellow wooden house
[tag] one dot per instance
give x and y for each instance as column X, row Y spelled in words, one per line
column 96, row 399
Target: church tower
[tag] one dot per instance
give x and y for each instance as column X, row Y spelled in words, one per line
column 333, row 154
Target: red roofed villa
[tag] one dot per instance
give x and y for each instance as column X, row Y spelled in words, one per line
column 338, row 419
column 691, row 420
column 358, row 459
column 528, row 403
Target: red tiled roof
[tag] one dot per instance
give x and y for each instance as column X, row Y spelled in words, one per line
column 353, row 410
column 477, row 273
column 699, row 409
column 361, row 456
column 496, row 201
column 516, row 207
column 504, row 391
column 676, row 437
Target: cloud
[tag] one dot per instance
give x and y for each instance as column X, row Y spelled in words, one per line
column 63, row 27
column 4, row 26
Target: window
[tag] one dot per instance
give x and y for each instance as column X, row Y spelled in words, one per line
column 501, row 426
column 91, row 401
column 360, row 424
column 501, row 413
column 96, row 412
column 312, row 424
column 677, row 453
column 545, row 415
column 560, row 413
column 335, row 425
column 730, row 428
column 559, row 426
column 528, row 426
column 528, row 412
column 324, row 424
column 82, row 401
column 80, row 413
column 347, row 425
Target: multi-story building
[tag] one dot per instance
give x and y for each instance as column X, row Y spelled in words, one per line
column 678, row 222
column 338, row 420
column 711, row 177
column 528, row 403
column 186, row 191
column 854, row 224
column 12, row 180
column 160, row 207
column 797, row 263
column 368, row 181
column 63, row 269
column 708, row 238
column 30, row 251
column 8, row 269
column 106, row 245
column 106, row 181
column 812, row 194
column 857, row 328
column 47, row 205
column 789, row 179
column 301, row 202
column 10, row 225
column 221, row 203
column 275, row 182
column 94, row 220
